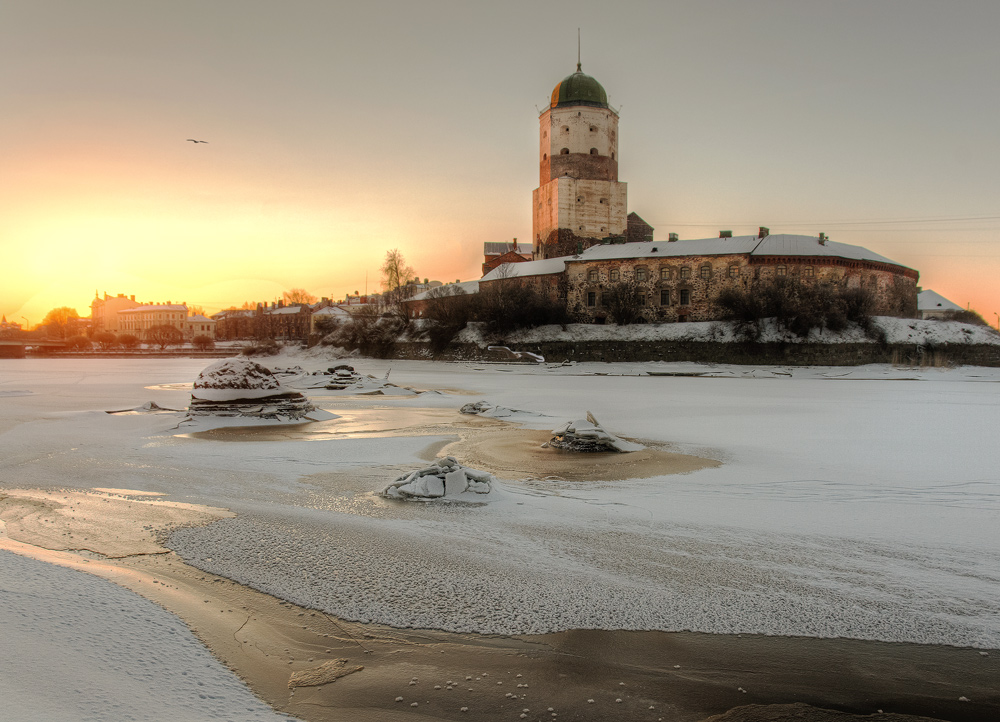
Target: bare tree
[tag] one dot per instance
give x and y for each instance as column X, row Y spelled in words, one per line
column 59, row 320
column 623, row 300
column 164, row 335
column 395, row 272
column 196, row 311
column 298, row 295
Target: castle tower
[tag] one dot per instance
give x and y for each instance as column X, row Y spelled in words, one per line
column 579, row 199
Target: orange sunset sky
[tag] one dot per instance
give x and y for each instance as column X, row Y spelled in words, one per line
column 337, row 131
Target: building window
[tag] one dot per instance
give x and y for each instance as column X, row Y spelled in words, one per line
column 581, row 228
column 612, row 155
column 705, row 271
column 579, row 199
column 565, row 129
column 642, row 299
column 593, row 129
column 640, row 274
column 734, row 271
column 592, row 274
column 604, row 201
column 613, row 274
column 593, row 151
column 685, row 297
column 808, row 272
column 591, row 299
column 564, row 151
column 664, row 274
column 545, row 156
column 780, row 270
column 664, row 297
column 685, row 272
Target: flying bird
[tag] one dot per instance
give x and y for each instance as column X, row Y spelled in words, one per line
column 197, row 141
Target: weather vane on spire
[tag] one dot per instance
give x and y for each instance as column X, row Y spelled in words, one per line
column 579, row 66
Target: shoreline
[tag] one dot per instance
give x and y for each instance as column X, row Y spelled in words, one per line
column 683, row 676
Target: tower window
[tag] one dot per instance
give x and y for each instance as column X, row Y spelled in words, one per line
column 581, row 228
column 612, row 155
column 593, row 129
column 565, row 129
column 593, row 151
column 579, row 199
column 564, row 151
column 604, row 201
column 545, row 156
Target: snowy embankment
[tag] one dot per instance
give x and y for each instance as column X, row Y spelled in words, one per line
column 81, row 648
column 896, row 330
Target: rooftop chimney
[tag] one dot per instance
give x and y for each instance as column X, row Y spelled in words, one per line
column 725, row 234
column 823, row 239
column 672, row 238
column 763, row 232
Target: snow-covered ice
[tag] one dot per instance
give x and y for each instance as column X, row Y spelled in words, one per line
column 76, row 647
column 858, row 502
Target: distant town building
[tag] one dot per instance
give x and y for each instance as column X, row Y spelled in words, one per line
column 199, row 325
column 931, row 304
column 139, row 319
column 495, row 254
column 104, row 312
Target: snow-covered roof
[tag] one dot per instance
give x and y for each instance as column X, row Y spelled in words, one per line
column 156, row 307
column 664, row 249
column 491, row 248
column 198, row 318
column 332, row 311
column 933, row 301
column 448, row 288
column 784, row 244
column 780, row 244
column 284, row 310
column 528, row 268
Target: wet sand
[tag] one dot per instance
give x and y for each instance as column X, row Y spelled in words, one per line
column 655, row 675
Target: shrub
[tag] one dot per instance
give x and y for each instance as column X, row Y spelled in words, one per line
column 263, row 347
column 449, row 309
column 203, row 342
column 623, row 302
column 369, row 332
column 128, row 341
column 510, row 303
column 78, row 343
column 106, row 340
column 795, row 307
column 164, row 335
column 965, row 316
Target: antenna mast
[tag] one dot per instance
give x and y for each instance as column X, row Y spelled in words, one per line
column 579, row 67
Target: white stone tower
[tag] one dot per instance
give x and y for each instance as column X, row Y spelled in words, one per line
column 579, row 199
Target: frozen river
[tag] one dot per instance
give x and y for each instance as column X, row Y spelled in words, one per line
column 856, row 503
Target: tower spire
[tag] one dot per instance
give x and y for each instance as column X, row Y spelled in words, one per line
column 579, row 66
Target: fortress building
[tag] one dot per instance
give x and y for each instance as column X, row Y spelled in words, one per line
column 579, row 199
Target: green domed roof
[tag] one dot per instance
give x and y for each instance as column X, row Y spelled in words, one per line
column 579, row 89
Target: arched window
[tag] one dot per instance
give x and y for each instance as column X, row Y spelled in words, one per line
column 685, row 272
column 705, row 271
column 640, row 273
column 564, row 151
column 545, row 156
column 593, row 151
column 592, row 274
column 664, row 274
column 613, row 274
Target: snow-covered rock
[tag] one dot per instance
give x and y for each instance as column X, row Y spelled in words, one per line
column 239, row 387
column 588, row 435
column 444, row 478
